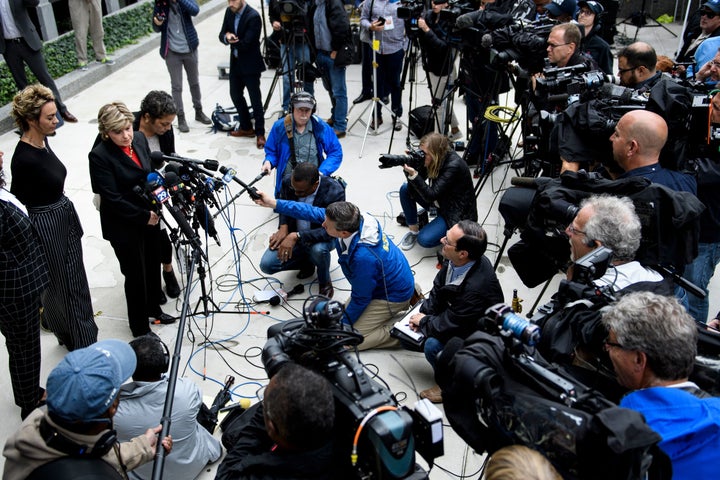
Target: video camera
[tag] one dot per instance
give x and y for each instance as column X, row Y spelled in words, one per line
column 293, row 15
column 415, row 158
column 370, row 425
column 411, row 11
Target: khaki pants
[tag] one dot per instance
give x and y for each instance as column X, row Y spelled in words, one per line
column 86, row 14
column 376, row 321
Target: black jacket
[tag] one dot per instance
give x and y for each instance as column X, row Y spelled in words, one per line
column 453, row 190
column 337, row 21
column 329, row 191
column 594, row 45
column 167, row 139
column 250, row 454
column 123, row 213
column 436, row 55
column 245, row 56
column 454, row 310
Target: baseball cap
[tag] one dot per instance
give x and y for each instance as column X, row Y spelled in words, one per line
column 713, row 5
column 560, row 7
column 594, row 7
column 303, row 100
column 85, row 383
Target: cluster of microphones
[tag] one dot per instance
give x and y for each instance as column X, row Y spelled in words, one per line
column 191, row 185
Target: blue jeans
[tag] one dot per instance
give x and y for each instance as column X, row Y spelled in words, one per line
column 318, row 254
column 301, row 54
column 431, row 233
column 699, row 272
column 334, row 81
column 433, row 347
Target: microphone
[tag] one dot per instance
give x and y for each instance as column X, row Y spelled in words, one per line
column 527, row 182
column 206, row 221
column 154, row 184
column 277, row 299
column 230, row 174
column 160, row 157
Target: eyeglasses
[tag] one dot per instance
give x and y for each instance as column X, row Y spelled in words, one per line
column 623, row 70
column 574, row 230
column 445, row 241
column 715, row 64
column 586, row 12
column 708, row 13
column 552, row 46
column 609, row 344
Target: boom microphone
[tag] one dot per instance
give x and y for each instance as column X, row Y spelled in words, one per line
column 160, row 157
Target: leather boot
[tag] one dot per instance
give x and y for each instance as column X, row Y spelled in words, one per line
column 182, row 123
column 201, row 117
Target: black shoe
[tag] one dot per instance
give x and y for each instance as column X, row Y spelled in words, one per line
column 162, row 299
column 171, row 284
column 163, row 319
column 363, row 97
column 306, row 272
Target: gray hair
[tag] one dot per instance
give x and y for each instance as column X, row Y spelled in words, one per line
column 615, row 224
column 659, row 327
column 345, row 215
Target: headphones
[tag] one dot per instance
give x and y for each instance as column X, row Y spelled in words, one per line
column 56, row 440
column 590, row 242
column 304, row 97
column 166, row 355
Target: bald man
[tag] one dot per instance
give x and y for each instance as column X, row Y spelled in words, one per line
column 638, row 138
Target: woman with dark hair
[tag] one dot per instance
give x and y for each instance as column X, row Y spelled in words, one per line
column 154, row 120
column 38, row 181
column 443, row 181
column 23, row 277
column 119, row 163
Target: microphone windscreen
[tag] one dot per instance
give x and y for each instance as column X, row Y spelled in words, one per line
column 173, row 167
column 275, row 301
column 157, row 159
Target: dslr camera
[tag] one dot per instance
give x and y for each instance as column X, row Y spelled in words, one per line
column 415, row 158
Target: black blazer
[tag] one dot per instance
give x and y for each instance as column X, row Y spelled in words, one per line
column 23, row 23
column 123, row 213
column 249, row 59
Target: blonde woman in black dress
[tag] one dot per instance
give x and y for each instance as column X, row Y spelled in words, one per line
column 38, row 181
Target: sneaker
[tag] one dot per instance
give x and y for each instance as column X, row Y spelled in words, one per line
column 408, row 241
column 82, row 66
column 107, row 61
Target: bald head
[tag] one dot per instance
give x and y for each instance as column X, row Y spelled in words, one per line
column 638, row 139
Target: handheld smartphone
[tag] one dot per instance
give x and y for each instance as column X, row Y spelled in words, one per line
column 381, row 20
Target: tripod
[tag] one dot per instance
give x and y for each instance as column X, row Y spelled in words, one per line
column 372, row 110
column 640, row 19
column 293, row 62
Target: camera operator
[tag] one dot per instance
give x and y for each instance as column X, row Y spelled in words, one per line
column 380, row 17
column 379, row 274
column 589, row 16
column 563, row 48
column 301, row 137
column 637, row 141
column 438, row 61
column 294, row 48
column 448, row 186
column 299, row 244
column 652, row 343
column 286, row 436
column 464, row 287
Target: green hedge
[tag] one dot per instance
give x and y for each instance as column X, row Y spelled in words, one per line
column 121, row 29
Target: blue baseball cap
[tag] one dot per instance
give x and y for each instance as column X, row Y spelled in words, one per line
column 85, row 383
column 713, row 5
column 557, row 8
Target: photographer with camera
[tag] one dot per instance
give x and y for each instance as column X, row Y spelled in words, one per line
column 379, row 274
column 286, row 436
column 380, row 17
column 439, row 63
column 442, row 180
column 464, row 287
column 294, row 46
column 652, row 343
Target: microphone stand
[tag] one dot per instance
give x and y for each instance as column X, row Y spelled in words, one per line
column 166, row 420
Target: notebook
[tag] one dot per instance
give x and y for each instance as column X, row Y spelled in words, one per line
column 402, row 331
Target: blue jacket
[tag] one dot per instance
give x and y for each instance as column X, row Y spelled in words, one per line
column 374, row 266
column 689, row 426
column 188, row 9
column 277, row 149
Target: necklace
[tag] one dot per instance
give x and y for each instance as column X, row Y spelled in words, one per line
column 28, row 141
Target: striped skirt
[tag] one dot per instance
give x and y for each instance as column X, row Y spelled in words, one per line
column 67, row 307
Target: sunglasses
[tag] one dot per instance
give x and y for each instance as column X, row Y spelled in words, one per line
column 708, row 13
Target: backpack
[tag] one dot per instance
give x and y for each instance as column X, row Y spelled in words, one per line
column 224, row 119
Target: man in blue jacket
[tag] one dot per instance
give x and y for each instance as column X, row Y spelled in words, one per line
column 380, row 277
column 179, row 47
column 301, row 137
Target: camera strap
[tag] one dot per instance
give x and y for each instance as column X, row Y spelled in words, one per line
column 289, row 133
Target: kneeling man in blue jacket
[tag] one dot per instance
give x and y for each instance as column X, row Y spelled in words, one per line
column 379, row 274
